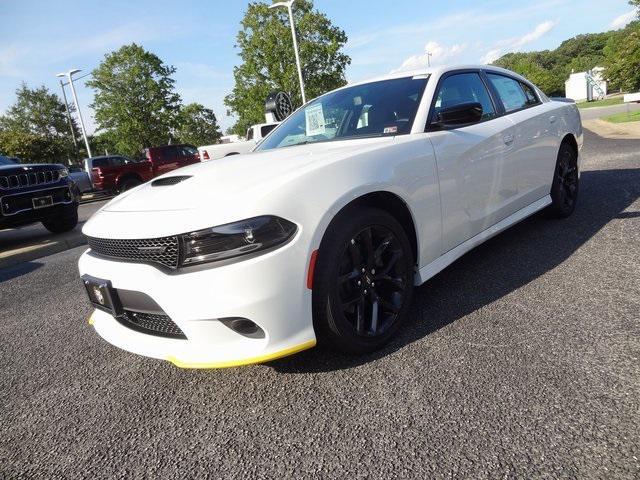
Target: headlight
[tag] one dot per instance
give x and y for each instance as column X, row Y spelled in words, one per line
column 235, row 239
column 64, row 173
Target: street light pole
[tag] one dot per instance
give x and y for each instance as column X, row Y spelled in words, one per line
column 289, row 6
column 69, row 75
column 429, row 59
column 66, row 104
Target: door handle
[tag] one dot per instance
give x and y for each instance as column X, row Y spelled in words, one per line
column 552, row 119
column 508, row 139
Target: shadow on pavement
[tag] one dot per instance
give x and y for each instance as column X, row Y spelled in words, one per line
column 18, row 270
column 498, row 267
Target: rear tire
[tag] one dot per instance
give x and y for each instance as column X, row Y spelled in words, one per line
column 129, row 183
column 363, row 281
column 62, row 223
column 566, row 183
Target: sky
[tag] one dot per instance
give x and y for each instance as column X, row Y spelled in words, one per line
column 39, row 39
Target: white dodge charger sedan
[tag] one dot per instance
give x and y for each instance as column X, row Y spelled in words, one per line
column 325, row 228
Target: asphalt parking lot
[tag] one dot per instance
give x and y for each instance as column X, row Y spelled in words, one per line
column 31, row 242
column 521, row 360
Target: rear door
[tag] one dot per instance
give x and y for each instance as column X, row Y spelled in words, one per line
column 535, row 144
column 165, row 159
column 475, row 184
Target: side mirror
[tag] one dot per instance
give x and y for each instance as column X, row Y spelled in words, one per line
column 458, row 115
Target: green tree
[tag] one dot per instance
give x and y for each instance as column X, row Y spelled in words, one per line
column 36, row 128
column 268, row 62
column 103, row 143
column 617, row 50
column 532, row 66
column 135, row 102
column 197, row 125
column 622, row 54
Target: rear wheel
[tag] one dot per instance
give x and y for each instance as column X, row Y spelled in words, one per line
column 62, row 223
column 129, row 183
column 566, row 183
column 363, row 281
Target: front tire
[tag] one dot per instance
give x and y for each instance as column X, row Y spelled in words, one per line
column 363, row 281
column 566, row 183
column 62, row 223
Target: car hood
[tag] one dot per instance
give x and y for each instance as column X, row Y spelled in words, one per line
column 238, row 179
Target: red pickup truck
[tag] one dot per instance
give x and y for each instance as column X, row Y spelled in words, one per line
column 116, row 173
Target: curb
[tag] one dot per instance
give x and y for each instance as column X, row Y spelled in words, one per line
column 33, row 252
column 96, row 199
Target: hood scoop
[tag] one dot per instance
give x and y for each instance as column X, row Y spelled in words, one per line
column 168, row 181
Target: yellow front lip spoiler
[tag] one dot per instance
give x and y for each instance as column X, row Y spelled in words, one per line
column 236, row 363
column 247, row 361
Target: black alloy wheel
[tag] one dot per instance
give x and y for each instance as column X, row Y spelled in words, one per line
column 372, row 280
column 565, row 187
column 363, row 282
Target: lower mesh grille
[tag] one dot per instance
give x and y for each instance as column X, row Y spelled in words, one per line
column 164, row 250
column 151, row 323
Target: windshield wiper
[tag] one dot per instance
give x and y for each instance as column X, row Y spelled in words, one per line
column 296, row 144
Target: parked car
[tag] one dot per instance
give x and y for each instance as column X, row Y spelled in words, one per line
column 323, row 231
column 117, row 173
column 32, row 193
column 255, row 133
column 81, row 178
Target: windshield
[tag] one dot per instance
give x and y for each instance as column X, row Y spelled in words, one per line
column 373, row 109
column 6, row 161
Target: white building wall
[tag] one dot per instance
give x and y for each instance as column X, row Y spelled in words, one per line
column 576, row 85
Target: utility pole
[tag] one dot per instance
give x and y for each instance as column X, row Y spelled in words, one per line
column 69, row 75
column 429, row 59
column 289, row 6
column 66, row 104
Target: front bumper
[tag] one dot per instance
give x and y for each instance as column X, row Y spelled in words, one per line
column 16, row 208
column 269, row 290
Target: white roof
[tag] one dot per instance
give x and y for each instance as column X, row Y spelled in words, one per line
column 436, row 71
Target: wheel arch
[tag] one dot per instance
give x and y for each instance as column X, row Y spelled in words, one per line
column 391, row 203
column 570, row 139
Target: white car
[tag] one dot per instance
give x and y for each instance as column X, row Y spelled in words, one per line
column 255, row 133
column 323, row 231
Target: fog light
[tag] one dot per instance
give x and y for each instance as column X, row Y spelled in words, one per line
column 244, row 327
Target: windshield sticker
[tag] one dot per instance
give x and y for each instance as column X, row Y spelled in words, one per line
column 315, row 120
column 391, row 130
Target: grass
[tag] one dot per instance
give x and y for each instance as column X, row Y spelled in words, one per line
column 623, row 117
column 601, row 103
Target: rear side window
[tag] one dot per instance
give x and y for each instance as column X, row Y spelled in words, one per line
column 510, row 92
column 167, row 153
column 100, row 162
column 464, row 88
column 188, row 150
column 532, row 98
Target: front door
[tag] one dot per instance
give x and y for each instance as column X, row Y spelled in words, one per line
column 476, row 184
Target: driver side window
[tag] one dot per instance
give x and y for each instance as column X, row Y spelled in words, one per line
column 464, row 88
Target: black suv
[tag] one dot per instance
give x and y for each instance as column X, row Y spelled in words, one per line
column 37, row 193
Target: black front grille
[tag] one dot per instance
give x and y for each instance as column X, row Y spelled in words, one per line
column 164, row 250
column 29, row 179
column 151, row 323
